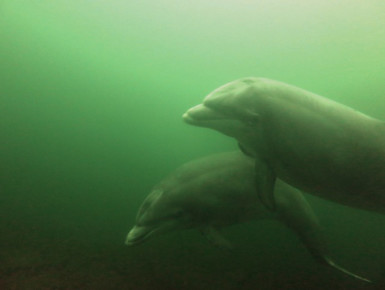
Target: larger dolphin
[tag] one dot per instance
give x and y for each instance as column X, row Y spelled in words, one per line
column 219, row 191
column 309, row 141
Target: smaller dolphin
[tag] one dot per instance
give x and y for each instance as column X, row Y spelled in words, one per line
column 219, row 191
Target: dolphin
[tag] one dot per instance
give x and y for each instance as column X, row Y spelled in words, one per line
column 313, row 143
column 218, row 191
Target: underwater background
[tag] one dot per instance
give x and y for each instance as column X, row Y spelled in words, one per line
column 91, row 99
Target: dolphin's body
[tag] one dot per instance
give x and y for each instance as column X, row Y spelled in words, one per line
column 219, row 191
column 310, row 142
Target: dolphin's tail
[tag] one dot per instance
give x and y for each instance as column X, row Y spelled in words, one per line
column 331, row 263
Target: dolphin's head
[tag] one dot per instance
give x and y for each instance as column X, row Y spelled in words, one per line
column 157, row 215
column 232, row 109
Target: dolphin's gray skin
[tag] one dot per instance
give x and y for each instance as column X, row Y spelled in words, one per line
column 219, row 191
column 310, row 142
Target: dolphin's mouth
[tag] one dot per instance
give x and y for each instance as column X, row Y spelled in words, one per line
column 138, row 235
column 201, row 114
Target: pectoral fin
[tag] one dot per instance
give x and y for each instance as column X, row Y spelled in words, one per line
column 215, row 237
column 264, row 181
column 331, row 263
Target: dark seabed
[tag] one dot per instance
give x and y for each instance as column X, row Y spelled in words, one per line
column 91, row 99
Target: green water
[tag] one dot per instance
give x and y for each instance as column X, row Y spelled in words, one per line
column 91, row 99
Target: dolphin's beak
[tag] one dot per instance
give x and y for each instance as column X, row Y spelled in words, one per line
column 137, row 235
column 201, row 114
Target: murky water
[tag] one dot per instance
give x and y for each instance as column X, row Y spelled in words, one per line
column 91, row 98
